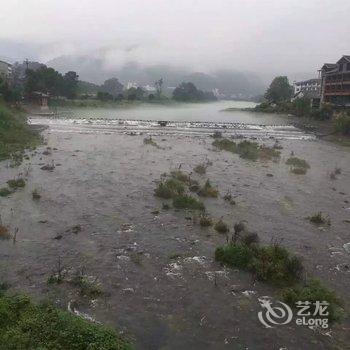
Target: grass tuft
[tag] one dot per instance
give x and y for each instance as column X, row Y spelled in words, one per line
column 221, row 227
column 208, row 190
column 319, row 219
column 187, row 202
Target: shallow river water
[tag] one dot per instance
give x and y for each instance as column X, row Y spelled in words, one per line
column 161, row 285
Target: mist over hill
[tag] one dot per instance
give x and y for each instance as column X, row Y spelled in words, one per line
column 228, row 82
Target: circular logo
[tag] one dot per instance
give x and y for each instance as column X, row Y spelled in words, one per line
column 273, row 315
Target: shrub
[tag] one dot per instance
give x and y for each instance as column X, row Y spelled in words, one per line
column 248, row 150
column 208, row 190
column 5, row 191
column 169, row 189
column 205, row 221
column 200, row 169
column 225, row 144
column 221, row 227
column 276, row 265
column 234, row 256
column 298, row 166
column 319, row 219
column 342, row 124
column 86, row 287
column 313, row 291
column 150, row 141
column 25, row 325
column 187, row 202
column 272, row 264
column 181, row 176
column 14, row 184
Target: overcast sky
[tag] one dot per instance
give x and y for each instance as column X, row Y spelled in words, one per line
column 278, row 36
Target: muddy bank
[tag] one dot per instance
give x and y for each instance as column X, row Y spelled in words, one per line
column 155, row 267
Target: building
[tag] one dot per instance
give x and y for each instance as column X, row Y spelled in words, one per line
column 307, row 85
column 5, row 70
column 310, row 89
column 335, row 82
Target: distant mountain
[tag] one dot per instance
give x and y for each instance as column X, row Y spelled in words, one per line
column 94, row 70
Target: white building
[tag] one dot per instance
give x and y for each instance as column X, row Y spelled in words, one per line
column 307, row 85
column 5, row 70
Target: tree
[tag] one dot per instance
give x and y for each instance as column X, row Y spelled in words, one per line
column 187, row 92
column 104, row 96
column 112, row 86
column 159, row 85
column 70, row 84
column 279, row 90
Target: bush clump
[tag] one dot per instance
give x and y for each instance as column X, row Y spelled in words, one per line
column 187, row 202
column 319, row 219
column 150, row 141
column 221, row 227
column 272, row 263
column 25, row 325
column 4, row 232
column 205, row 221
column 169, row 188
column 247, row 149
column 16, row 183
column 208, row 190
column 342, row 124
column 5, row 191
column 298, row 166
column 314, row 291
column 200, row 169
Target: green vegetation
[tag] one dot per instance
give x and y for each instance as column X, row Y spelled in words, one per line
column 25, row 325
column 187, row 202
column 314, row 291
column 221, row 227
column 169, row 189
column 16, row 183
column 298, row 166
column 200, row 169
column 342, row 124
column 86, row 287
column 272, row 264
column 319, row 219
column 181, row 176
column 208, row 190
column 5, row 191
column 188, row 92
column 205, row 221
column 279, row 90
column 247, row 149
column 150, row 141
column 15, row 135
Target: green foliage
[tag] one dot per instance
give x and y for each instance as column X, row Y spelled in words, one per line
column 314, row 291
column 112, row 87
column 342, row 124
column 25, row 325
column 50, row 81
column 279, row 90
column 208, row 190
column 5, row 191
column 9, row 93
column 150, row 141
column 86, row 287
column 16, row 183
column 200, row 169
column 221, row 227
column 169, row 189
column 272, row 264
column 15, row 135
column 319, row 219
column 205, row 221
column 234, row 256
column 181, row 176
column 104, row 96
column 187, row 202
column 247, row 149
column 188, row 92
column 297, row 165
